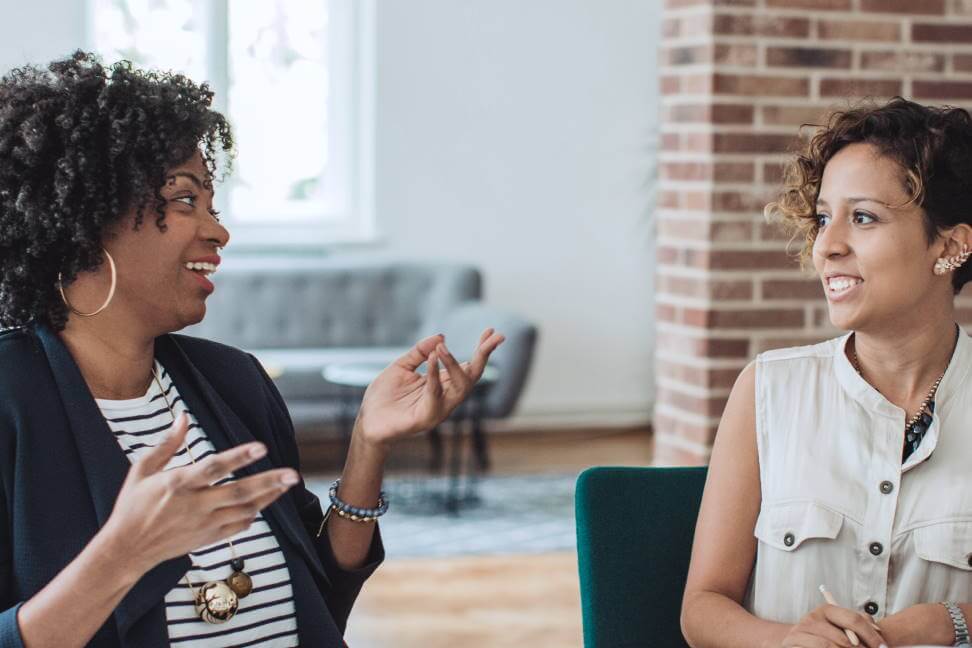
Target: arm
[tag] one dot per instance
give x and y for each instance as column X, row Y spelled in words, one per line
column 925, row 623
column 59, row 616
column 158, row 515
column 724, row 549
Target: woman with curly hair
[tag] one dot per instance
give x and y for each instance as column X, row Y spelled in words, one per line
column 151, row 493
column 846, row 466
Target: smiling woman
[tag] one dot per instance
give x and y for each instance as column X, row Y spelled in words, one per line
column 844, row 466
column 150, row 492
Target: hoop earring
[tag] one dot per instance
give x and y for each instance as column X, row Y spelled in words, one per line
column 111, row 290
column 945, row 264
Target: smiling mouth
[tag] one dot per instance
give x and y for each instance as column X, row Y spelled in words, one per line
column 202, row 268
column 840, row 286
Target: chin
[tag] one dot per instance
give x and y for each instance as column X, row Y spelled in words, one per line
column 190, row 317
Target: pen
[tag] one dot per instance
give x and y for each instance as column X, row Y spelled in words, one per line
column 851, row 635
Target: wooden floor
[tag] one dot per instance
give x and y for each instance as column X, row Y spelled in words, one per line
column 493, row 602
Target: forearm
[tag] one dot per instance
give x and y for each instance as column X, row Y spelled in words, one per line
column 926, row 623
column 711, row 620
column 77, row 602
column 360, row 486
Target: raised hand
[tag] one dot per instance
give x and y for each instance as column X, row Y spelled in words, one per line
column 401, row 401
column 164, row 514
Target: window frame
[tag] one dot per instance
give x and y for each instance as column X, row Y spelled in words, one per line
column 350, row 218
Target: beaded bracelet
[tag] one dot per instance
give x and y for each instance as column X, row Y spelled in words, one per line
column 354, row 513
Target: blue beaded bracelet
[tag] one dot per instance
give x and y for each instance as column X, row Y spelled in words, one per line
column 355, row 513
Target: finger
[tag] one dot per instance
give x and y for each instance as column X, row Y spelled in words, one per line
column 419, row 353
column 482, row 353
column 807, row 640
column 485, row 335
column 456, row 374
column 204, row 473
column 433, row 382
column 252, row 489
column 856, row 623
column 156, row 458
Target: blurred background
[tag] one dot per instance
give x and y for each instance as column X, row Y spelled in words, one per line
column 587, row 176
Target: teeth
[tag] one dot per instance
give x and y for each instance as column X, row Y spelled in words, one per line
column 842, row 284
column 207, row 268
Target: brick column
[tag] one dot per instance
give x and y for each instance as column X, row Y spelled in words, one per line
column 738, row 78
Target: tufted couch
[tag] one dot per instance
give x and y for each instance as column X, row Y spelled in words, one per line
column 299, row 314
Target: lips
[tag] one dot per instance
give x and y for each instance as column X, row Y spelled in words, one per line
column 840, row 287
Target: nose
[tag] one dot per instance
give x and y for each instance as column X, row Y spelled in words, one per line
column 215, row 233
column 831, row 241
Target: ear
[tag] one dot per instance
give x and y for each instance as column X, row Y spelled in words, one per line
column 955, row 238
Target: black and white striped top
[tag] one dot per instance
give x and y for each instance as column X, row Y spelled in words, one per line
column 266, row 617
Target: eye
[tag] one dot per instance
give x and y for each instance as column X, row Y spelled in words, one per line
column 187, row 200
column 214, row 214
column 822, row 220
column 867, row 218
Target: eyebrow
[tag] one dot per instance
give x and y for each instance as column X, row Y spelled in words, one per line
column 856, row 199
column 186, row 174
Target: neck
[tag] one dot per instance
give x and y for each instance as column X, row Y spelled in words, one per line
column 904, row 365
column 115, row 359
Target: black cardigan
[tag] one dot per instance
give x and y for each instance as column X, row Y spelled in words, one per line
column 61, row 470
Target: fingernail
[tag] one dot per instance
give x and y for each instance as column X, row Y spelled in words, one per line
column 882, row 646
column 258, row 450
column 289, row 479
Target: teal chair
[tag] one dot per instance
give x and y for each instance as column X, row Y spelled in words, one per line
column 634, row 539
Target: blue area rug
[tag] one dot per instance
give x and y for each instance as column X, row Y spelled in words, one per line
column 508, row 515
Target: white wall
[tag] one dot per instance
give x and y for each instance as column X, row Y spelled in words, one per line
column 518, row 135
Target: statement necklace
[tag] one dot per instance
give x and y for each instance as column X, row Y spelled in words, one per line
column 915, row 428
column 216, row 601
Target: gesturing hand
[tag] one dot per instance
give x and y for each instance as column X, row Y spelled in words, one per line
column 824, row 627
column 401, row 401
column 164, row 514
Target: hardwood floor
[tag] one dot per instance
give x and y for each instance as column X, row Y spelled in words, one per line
column 493, row 601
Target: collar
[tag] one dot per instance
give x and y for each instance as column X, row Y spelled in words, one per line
column 865, row 394
column 873, row 401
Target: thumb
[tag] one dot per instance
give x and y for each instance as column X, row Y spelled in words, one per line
column 155, row 459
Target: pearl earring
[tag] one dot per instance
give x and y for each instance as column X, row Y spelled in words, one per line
column 945, row 264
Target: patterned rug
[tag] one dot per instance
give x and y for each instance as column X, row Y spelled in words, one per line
column 496, row 515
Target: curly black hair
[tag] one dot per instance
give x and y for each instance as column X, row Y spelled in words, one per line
column 81, row 145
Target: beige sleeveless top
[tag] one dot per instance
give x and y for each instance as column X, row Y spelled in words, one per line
column 839, row 508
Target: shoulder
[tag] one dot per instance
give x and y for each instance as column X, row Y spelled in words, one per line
column 21, row 355
column 811, row 353
column 215, row 357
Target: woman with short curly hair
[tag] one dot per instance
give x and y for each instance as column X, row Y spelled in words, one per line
column 845, row 466
column 149, row 482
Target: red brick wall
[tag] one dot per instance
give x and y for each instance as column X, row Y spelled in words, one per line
column 738, row 78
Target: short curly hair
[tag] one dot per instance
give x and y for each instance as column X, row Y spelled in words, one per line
column 81, row 145
column 933, row 146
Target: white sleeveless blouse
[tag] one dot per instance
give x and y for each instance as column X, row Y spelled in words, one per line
column 839, row 508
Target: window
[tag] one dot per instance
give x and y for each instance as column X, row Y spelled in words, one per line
column 295, row 80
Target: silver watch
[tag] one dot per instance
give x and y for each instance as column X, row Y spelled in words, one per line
column 958, row 623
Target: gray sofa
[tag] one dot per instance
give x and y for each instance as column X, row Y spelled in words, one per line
column 299, row 314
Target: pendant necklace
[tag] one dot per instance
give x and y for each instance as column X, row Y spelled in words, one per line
column 915, row 428
column 216, row 601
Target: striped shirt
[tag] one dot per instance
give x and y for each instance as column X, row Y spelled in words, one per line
column 266, row 617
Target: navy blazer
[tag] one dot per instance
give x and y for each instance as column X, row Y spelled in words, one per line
column 61, row 470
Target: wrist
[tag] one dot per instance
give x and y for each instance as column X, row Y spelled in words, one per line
column 366, row 446
column 115, row 556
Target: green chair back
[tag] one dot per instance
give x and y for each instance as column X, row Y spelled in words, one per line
column 634, row 538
